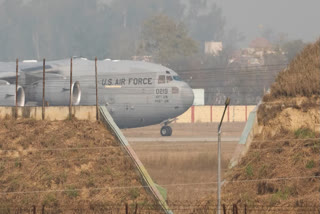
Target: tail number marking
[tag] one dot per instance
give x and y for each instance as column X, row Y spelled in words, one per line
column 162, row 95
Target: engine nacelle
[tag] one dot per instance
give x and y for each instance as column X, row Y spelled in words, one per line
column 57, row 92
column 8, row 95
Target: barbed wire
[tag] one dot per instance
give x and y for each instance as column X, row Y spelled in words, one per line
column 163, row 145
column 163, row 185
column 183, row 207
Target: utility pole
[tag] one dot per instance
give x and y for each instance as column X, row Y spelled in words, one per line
column 43, row 88
column 17, row 67
column 70, row 104
column 219, row 155
column 96, row 72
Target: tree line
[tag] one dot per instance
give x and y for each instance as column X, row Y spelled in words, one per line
column 33, row 29
column 172, row 33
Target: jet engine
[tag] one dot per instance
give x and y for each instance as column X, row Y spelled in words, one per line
column 8, row 94
column 57, row 92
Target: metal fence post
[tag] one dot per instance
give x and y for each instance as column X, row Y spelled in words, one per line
column 136, row 209
column 17, row 67
column 70, row 98
column 235, row 209
column 127, row 209
column 43, row 88
column 224, row 209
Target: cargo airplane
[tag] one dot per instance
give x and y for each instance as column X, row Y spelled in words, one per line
column 136, row 93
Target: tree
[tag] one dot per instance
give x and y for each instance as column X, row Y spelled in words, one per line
column 164, row 39
column 292, row 48
column 205, row 21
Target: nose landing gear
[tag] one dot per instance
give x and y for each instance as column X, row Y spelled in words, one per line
column 166, row 131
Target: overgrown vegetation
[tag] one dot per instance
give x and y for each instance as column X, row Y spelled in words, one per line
column 71, row 192
column 304, row 133
column 310, row 164
column 249, row 170
column 301, row 78
column 37, row 156
column 281, row 195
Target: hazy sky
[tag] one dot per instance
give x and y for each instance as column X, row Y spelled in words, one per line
column 300, row 19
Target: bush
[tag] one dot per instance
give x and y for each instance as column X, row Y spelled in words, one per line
column 282, row 195
column 134, row 193
column 71, row 192
column 304, row 133
column 249, row 170
column 50, row 200
column 310, row 164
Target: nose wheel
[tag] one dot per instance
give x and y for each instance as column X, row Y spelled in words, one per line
column 166, row 131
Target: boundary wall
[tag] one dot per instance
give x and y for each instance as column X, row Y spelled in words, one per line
column 195, row 114
column 212, row 114
column 51, row 112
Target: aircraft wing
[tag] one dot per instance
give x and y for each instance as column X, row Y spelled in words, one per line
column 8, row 71
column 7, row 75
column 30, row 87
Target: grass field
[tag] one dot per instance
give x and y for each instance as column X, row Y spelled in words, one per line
column 186, row 169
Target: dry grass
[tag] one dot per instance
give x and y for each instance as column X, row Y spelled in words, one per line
column 301, row 78
column 254, row 181
column 273, row 159
column 187, row 172
column 28, row 164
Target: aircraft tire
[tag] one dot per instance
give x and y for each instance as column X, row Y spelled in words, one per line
column 169, row 131
column 166, row 131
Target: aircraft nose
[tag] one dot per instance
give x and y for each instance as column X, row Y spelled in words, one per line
column 187, row 97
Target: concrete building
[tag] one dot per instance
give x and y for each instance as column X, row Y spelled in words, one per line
column 213, row 48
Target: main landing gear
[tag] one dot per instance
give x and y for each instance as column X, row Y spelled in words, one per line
column 166, row 131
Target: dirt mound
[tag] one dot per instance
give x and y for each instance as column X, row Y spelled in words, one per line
column 65, row 165
column 301, row 78
column 288, row 114
column 281, row 171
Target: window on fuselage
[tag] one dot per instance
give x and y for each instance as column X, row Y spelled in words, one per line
column 162, row 79
column 169, row 79
column 177, row 78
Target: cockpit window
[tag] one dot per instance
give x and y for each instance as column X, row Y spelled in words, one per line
column 161, row 79
column 177, row 78
column 169, row 79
